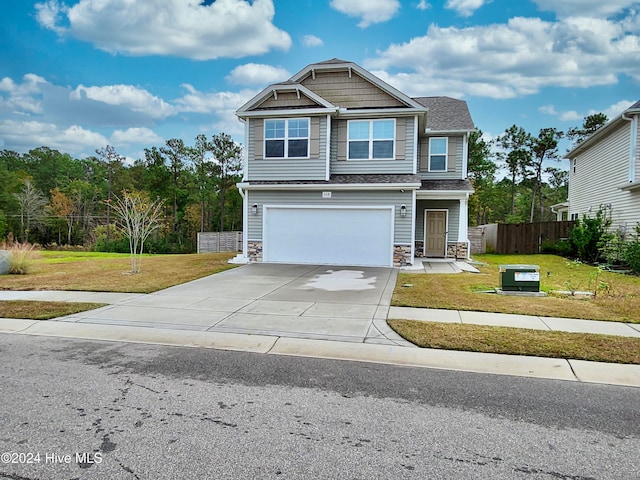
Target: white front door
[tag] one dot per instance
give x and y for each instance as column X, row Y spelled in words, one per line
column 328, row 235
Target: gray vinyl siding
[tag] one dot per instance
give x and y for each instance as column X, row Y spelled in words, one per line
column 600, row 172
column 404, row 151
column 312, row 168
column 455, row 150
column 453, row 217
column 402, row 225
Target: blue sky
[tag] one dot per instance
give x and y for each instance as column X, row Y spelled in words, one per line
column 77, row 75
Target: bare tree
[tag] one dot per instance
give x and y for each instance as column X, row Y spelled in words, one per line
column 139, row 217
column 32, row 203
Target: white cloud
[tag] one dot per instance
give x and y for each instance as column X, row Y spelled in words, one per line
column 464, row 8
column 312, row 41
column 585, row 8
column 135, row 135
column 30, row 134
column 511, row 60
column 195, row 101
column 257, row 74
column 615, row 109
column 573, row 116
column 136, row 99
column 423, row 5
column 224, row 28
column 369, row 11
column 22, row 98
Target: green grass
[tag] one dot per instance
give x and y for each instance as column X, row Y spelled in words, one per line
column 620, row 301
column 519, row 341
column 110, row 272
column 40, row 310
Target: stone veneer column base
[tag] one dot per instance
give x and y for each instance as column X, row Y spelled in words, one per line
column 254, row 251
column 457, row 250
column 402, row 255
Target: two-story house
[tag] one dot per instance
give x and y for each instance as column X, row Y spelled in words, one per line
column 604, row 172
column 343, row 169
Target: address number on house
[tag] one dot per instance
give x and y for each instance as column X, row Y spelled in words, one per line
column 527, row 276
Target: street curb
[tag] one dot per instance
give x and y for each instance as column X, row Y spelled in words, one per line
column 524, row 366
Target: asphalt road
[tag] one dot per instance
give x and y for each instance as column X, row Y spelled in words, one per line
column 73, row 409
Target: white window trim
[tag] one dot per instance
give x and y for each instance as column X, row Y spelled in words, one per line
column 446, row 154
column 371, row 139
column 286, row 138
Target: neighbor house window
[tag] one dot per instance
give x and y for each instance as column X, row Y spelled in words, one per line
column 370, row 139
column 286, row 138
column 438, row 154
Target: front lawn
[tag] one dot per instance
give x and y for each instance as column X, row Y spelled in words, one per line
column 110, row 272
column 520, row 341
column 617, row 295
column 40, row 310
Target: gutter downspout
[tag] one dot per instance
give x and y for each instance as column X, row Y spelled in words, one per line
column 633, row 145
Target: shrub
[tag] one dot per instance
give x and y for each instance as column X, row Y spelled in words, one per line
column 631, row 252
column 21, row 257
column 590, row 236
column 563, row 248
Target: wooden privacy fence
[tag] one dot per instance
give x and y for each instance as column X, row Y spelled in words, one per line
column 214, row 242
column 527, row 238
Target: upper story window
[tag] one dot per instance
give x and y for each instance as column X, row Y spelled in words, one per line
column 370, row 139
column 438, row 154
column 573, row 162
column 286, row 138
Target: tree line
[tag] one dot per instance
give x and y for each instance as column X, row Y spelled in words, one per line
column 50, row 198
column 531, row 184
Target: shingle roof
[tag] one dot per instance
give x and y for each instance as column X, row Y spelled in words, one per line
column 447, row 185
column 381, row 179
column 446, row 113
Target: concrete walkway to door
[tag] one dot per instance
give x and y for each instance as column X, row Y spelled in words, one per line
column 348, row 304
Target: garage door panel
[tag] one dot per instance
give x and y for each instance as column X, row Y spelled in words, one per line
column 339, row 236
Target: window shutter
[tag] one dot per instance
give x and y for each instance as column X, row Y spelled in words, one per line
column 401, row 138
column 314, row 137
column 452, row 151
column 258, row 137
column 342, row 140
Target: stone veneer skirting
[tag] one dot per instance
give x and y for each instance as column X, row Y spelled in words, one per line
column 254, row 250
column 458, row 250
column 402, row 255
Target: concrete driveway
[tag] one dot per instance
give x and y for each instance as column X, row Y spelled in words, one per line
column 304, row 301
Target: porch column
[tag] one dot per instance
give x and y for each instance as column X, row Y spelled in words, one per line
column 463, row 223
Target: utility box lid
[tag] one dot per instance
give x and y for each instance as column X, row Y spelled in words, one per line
column 520, row 278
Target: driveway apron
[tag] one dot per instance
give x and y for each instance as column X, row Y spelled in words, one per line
column 302, row 301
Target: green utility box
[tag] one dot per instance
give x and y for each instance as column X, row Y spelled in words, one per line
column 520, row 278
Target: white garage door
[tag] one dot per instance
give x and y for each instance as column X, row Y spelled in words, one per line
column 329, row 236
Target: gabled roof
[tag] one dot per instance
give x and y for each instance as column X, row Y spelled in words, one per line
column 286, row 86
column 336, row 64
column 605, row 129
column 446, row 114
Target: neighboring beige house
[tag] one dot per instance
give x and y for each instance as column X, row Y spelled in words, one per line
column 343, row 169
column 604, row 172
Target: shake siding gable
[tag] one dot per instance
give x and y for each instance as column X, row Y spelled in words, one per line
column 349, row 91
column 287, row 100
